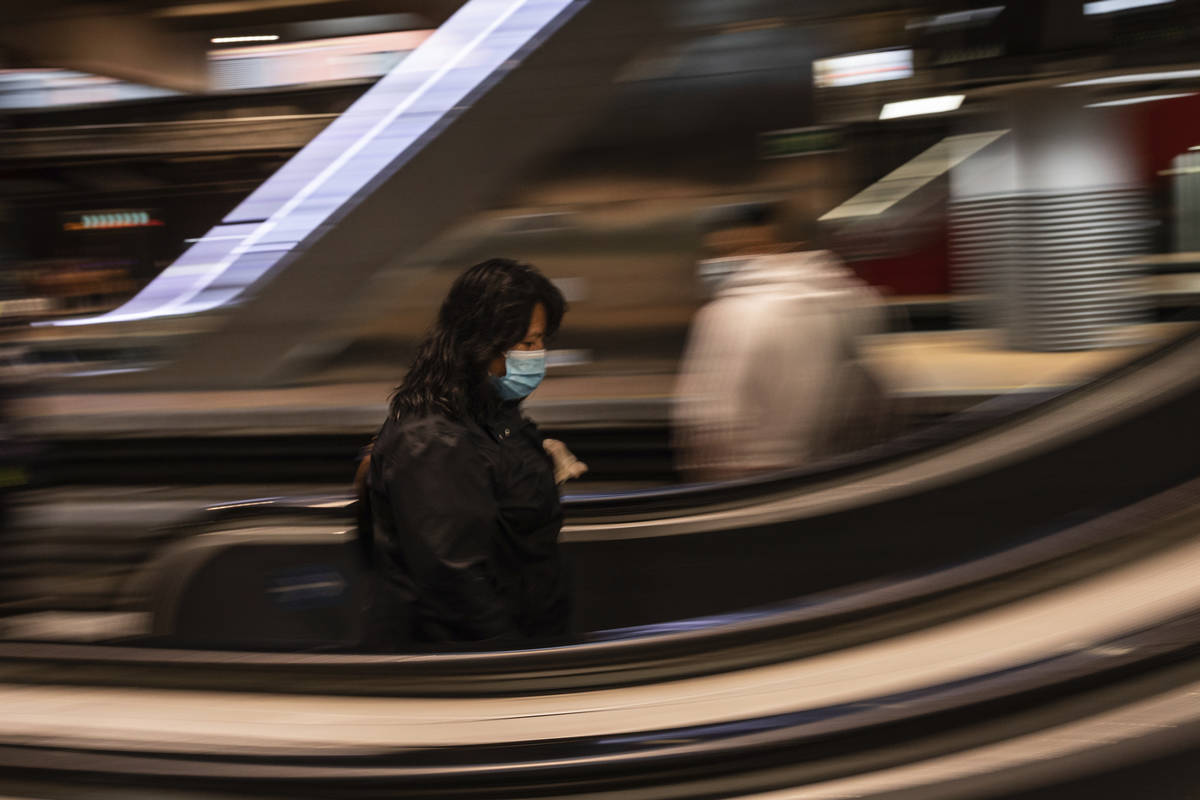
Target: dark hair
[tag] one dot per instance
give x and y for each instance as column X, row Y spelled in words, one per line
column 486, row 313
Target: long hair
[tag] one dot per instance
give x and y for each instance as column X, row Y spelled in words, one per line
column 486, row 313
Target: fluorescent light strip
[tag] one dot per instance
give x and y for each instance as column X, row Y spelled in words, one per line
column 211, row 238
column 363, row 44
column 957, row 18
column 237, row 39
column 1112, row 6
column 390, row 122
column 924, row 105
column 1174, row 75
column 1129, row 101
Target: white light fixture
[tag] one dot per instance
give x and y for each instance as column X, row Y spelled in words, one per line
column 1112, row 6
column 239, row 39
column 1173, row 75
column 1194, row 147
column 956, row 19
column 1129, row 101
column 923, row 105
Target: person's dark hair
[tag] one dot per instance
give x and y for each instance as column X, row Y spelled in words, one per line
column 486, row 313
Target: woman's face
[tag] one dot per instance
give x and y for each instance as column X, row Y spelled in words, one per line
column 535, row 339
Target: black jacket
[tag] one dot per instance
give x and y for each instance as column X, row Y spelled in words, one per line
column 465, row 521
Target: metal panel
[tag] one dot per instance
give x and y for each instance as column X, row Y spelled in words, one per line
column 1054, row 270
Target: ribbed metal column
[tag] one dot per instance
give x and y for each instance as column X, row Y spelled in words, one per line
column 984, row 234
column 1052, row 270
column 1077, row 282
column 1044, row 227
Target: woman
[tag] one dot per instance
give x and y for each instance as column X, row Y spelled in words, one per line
column 463, row 502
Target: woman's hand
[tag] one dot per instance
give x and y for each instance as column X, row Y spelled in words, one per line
column 566, row 466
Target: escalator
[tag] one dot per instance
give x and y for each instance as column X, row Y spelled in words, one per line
column 907, row 508
column 1004, row 475
column 1008, row 611
column 1070, row 661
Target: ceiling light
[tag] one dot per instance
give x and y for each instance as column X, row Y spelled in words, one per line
column 956, row 19
column 1111, row 6
column 238, row 39
column 1129, row 101
column 923, row 105
column 1139, row 77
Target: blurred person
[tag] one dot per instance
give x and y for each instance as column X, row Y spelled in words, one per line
column 460, row 489
column 771, row 377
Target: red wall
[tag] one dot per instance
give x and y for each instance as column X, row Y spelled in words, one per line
column 924, row 270
column 1164, row 129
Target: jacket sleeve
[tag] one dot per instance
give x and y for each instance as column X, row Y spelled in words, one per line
column 446, row 516
column 362, row 506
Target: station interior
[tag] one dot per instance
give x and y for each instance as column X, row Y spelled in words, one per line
column 878, row 387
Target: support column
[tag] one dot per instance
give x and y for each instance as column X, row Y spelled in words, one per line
column 1044, row 223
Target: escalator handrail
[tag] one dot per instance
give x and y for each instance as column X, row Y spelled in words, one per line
column 667, row 651
column 984, row 417
column 736, row 746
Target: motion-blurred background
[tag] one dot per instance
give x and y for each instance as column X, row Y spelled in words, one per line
column 225, row 225
column 956, row 245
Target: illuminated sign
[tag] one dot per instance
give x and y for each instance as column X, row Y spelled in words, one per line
column 799, row 142
column 107, row 220
column 885, row 65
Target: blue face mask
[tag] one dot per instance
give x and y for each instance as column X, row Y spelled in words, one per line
column 523, row 371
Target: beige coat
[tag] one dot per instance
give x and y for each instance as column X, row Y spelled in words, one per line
column 771, row 377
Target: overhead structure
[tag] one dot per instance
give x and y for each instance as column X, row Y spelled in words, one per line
column 103, row 40
column 498, row 84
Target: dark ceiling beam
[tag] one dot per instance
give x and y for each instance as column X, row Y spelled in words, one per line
column 215, row 15
column 161, row 43
column 153, row 139
column 104, row 39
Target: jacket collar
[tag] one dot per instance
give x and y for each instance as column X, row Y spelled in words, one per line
column 504, row 420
